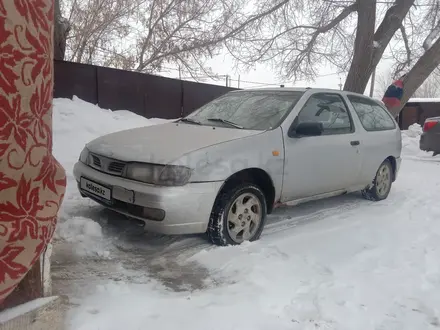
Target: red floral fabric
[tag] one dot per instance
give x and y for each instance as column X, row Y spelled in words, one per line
column 32, row 182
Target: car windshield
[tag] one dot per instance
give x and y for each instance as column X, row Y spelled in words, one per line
column 254, row 110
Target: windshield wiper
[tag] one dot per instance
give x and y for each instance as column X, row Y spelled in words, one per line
column 226, row 122
column 189, row 120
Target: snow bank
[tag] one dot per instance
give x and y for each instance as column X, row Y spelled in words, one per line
column 86, row 234
column 78, row 227
column 410, row 144
column 410, row 141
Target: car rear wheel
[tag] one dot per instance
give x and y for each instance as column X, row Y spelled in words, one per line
column 381, row 184
column 238, row 215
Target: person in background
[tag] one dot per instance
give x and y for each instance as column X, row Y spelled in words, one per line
column 394, row 93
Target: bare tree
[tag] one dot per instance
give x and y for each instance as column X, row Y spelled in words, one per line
column 307, row 34
column 61, row 30
column 96, row 27
column 146, row 35
column 430, row 88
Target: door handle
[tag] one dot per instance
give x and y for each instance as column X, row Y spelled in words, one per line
column 355, row 143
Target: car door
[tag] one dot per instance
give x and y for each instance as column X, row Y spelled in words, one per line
column 321, row 164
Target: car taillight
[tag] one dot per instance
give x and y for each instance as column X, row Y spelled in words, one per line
column 428, row 125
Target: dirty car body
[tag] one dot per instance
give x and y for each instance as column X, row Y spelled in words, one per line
column 222, row 168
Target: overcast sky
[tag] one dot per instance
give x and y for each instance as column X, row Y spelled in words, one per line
column 264, row 76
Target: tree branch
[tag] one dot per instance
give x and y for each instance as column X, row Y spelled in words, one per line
column 307, row 51
column 217, row 39
column 401, row 66
column 431, row 37
column 388, row 27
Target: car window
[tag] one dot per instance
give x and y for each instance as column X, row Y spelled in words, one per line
column 373, row 116
column 256, row 110
column 330, row 110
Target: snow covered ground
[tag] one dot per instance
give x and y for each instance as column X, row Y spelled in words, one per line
column 341, row 263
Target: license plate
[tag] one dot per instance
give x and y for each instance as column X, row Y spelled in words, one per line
column 96, row 189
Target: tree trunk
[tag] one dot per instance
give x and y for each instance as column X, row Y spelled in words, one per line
column 361, row 65
column 426, row 64
column 61, row 28
column 384, row 33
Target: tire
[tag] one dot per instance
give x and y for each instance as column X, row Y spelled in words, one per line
column 227, row 215
column 382, row 183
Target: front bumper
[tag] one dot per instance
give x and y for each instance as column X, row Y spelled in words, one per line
column 187, row 208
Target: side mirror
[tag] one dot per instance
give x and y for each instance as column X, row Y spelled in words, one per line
column 308, row 129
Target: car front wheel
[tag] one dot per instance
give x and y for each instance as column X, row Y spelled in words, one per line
column 382, row 182
column 238, row 215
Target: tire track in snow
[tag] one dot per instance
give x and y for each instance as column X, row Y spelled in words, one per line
column 137, row 256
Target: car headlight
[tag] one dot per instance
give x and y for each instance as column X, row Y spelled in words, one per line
column 83, row 157
column 174, row 175
column 169, row 175
column 147, row 173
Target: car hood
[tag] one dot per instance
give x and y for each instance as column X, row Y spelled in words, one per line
column 163, row 143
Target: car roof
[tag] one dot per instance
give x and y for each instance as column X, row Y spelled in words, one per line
column 298, row 89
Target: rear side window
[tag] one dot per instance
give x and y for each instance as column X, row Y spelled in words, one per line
column 373, row 117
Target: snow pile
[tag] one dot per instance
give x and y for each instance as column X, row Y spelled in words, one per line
column 86, row 234
column 78, row 227
column 410, row 140
column 410, row 143
column 415, row 130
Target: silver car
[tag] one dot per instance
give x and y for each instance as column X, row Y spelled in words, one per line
column 224, row 167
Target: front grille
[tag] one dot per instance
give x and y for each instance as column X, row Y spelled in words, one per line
column 116, row 167
column 107, row 165
column 96, row 161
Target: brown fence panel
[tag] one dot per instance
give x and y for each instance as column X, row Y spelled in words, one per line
column 409, row 115
column 162, row 97
column 147, row 95
column 417, row 112
column 195, row 94
column 75, row 79
column 119, row 90
column 429, row 109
